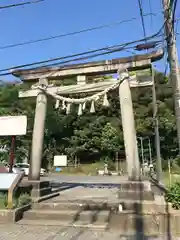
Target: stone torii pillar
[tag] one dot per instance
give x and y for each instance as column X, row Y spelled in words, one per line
column 38, row 134
column 129, row 132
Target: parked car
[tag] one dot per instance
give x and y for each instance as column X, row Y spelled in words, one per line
column 25, row 167
column 15, row 169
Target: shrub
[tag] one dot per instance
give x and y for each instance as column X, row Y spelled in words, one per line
column 23, row 199
column 3, row 200
column 173, row 195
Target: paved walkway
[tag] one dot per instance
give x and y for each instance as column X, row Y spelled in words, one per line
column 84, row 179
column 87, row 194
column 17, row 232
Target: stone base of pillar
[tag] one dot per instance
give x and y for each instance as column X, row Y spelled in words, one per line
column 39, row 188
column 134, row 179
column 136, row 190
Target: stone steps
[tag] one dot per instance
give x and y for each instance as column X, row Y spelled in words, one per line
column 78, row 224
column 67, row 215
column 78, row 205
column 125, row 222
column 131, row 205
column 136, row 195
column 127, row 215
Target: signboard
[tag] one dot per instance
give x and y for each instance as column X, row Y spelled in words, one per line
column 60, row 161
column 6, row 180
column 13, row 125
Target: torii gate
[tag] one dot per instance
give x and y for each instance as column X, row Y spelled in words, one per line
column 120, row 65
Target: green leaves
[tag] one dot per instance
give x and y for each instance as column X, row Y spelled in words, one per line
column 110, row 139
column 93, row 136
column 173, row 195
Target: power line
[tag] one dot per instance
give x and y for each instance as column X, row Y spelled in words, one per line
column 173, row 6
column 77, row 59
column 73, row 33
column 174, row 13
column 87, row 57
column 151, row 16
column 157, row 34
column 63, row 62
column 142, row 18
column 109, row 48
column 20, row 4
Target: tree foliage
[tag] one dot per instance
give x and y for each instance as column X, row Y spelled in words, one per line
column 93, row 136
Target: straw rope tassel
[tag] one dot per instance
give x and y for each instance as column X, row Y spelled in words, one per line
column 105, row 101
column 84, row 105
column 92, row 110
column 57, row 104
column 63, row 105
column 80, row 110
column 68, row 108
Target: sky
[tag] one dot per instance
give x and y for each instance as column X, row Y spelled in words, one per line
column 55, row 17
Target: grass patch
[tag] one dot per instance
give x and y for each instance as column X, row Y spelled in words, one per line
column 87, row 169
column 167, row 181
column 83, row 169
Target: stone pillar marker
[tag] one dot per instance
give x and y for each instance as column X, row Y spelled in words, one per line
column 129, row 132
column 38, row 134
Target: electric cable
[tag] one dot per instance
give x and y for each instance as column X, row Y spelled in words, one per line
column 72, row 33
column 157, row 34
column 43, row 69
column 142, row 18
column 114, row 49
column 151, row 16
column 20, row 4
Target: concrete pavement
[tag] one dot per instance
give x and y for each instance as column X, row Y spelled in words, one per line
column 69, row 181
column 84, row 179
column 17, row 232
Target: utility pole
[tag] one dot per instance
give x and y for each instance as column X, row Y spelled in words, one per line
column 173, row 62
column 156, row 129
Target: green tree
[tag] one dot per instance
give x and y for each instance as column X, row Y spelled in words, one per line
column 93, row 136
column 110, row 140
